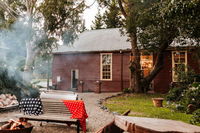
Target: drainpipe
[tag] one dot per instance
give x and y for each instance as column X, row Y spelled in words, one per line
column 122, row 62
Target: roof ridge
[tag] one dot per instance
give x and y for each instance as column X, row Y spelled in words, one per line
column 99, row 29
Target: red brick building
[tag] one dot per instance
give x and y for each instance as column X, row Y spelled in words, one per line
column 99, row 61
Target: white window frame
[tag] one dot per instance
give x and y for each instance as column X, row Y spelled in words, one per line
column 101, row 67
column 173, row 64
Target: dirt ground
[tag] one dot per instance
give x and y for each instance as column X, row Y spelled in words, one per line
column 97, row 117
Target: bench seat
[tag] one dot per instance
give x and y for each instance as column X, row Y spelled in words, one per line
column 54, row 110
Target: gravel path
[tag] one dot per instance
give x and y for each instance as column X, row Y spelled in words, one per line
column 97, row 117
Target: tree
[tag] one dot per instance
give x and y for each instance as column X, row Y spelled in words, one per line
column 98, row 22
column 111, row 16
column 155, row 23
column 58, row 17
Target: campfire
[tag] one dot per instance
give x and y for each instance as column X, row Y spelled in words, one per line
column 7, row 100
column 12, row 125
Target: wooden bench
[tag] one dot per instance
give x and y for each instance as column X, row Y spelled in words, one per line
column 54, row 110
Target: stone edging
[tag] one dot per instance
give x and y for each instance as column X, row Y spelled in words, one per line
column 104, row 108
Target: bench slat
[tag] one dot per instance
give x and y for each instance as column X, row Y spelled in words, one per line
column 54, row 111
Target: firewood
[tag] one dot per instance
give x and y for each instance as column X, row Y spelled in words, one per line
column 1, row 105
column 16, row 125
column 8, row 100
column 13, row 126
column 6, row 126
column 2, row 96
column 14, row 102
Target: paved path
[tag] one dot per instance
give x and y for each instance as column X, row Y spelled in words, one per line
column 97, row 117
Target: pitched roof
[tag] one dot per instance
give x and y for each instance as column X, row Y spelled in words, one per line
column 109, row 40
column 97, row 40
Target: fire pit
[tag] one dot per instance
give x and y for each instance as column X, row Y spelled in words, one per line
column 13, row 126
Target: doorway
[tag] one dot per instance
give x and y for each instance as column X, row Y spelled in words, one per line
column 74, row 78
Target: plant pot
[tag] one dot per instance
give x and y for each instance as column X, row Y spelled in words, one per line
column 158, row 102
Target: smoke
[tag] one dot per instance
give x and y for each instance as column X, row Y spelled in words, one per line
column 13, row 43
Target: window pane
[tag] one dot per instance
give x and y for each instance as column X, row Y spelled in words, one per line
column 106, row 59
column 182, row 60
column 106, row 66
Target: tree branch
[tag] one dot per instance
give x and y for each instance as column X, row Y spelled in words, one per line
column 8, row 9
column 122, row 8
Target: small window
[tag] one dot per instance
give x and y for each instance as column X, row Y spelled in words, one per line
column 179, row 62
column 106, row 66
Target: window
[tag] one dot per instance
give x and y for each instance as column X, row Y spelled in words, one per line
column 106, row 66
column 146, row 61
column 179, row 62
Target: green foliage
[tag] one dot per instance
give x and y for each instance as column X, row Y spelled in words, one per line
column 127, row 90
column 191, row 96
column 9, row 84
column 175, row 94
column 12, row 84
column 111, row 16
column 185, row 94
column 29, row 92
column 177, row 91
column 196, row 117
column 61, row 14
column 98, row 22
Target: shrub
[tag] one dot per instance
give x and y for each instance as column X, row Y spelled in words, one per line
column 30, row 93
column 191, row 96
column 175, row 94
column 8, row 84
column 13, row 85
column 127, row 90
column 196, row 117
column 178, row 90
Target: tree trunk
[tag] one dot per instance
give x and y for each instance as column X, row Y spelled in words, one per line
column 135, row 66
column 29, row 63
column 30, row 47
column 135, row 53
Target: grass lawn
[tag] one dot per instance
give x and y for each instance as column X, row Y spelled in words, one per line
column 141, row 105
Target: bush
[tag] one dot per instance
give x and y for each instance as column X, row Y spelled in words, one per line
column 30, row 93
column 191, row 96
column 13, row 85
column 8, row 84
column 179, row 88
column 127, row 90
column 196, row 117
column 175, row 94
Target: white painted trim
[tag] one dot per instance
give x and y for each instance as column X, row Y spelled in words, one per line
column 173, row 64
column 101, row 73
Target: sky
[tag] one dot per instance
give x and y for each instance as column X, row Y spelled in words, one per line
column 89, row 13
